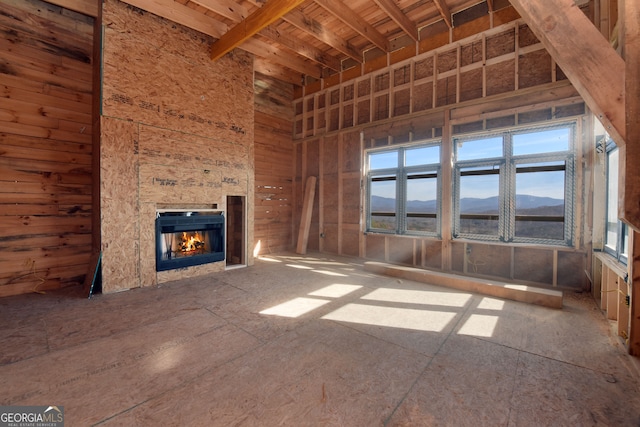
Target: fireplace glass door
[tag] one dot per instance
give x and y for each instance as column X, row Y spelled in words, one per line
column 185, row 239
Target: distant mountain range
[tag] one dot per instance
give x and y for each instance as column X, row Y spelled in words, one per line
column 470, row 204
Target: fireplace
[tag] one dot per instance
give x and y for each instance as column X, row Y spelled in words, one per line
column 185, row 239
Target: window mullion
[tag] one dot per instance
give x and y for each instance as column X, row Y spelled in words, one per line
column 569, row 181
column 402, row 201
column 507, row 222
column 401, row 191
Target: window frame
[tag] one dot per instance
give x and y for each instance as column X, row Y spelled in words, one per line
column 403, row 174
column 508, row 165
column 622, row 229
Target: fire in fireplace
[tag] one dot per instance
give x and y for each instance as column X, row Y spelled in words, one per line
column 184, row 239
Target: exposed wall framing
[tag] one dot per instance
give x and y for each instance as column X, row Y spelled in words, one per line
column 499, row 60
column 45, row 146
column 612, row 288
column 341, row 205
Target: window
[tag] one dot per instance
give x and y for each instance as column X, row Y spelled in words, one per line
column 616, row 240
column 403, row 189
column 515, row 186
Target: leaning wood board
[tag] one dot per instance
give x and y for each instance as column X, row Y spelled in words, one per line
column 307, row 210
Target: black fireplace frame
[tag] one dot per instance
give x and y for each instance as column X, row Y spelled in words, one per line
column 176, row 222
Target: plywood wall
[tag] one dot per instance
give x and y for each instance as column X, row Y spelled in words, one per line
column 273, row 164
column 45, row 146
column 176, row 133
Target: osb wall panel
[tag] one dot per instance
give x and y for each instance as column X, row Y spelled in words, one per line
column 330, row 197
column 351, row 153
column 490, row 260
column 192, row 142
column 533, row 265
column 571, row 267
column 273, row 164
column 161, row 74
column 351, row 200
column 433, row 254
column 350, row 242
column 330, row 239
column 119, row 205
column 401, row 250
column 45, row 146
column 374, row 247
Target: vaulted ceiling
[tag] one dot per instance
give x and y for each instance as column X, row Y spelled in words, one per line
column 298, row 40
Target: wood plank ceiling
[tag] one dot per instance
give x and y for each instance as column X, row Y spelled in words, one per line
column 301, row 40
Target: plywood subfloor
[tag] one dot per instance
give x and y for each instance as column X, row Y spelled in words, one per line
column 313, row 341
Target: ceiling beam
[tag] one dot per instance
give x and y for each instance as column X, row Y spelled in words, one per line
column 277, row 72
column 258, row 20
column 236, row 13
column 317, row 30
column 355, row 21
column 86, row 7
column 301, row 48
column 396, row 14
column 585, row 56
column 443, row 8
column 271, row 53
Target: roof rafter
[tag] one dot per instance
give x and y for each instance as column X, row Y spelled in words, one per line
column 443, row 8
column 353, row 20
column 396, row 14
column 254, row 23
column 236, row 12
column 319, row 31
column 268, row 68
column 303, row 49
column 267, row 51
column 227, row 8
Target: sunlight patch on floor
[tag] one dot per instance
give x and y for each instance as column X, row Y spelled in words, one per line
column 336, row 290
column 330, row 273
column 302, row 267
column 479, row 325
column 393, row 317
column 491, row 304
column 264, row 258
column 295, row 307
column 447, row 299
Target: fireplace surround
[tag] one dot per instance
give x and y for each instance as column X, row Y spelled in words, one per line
column 185, row 239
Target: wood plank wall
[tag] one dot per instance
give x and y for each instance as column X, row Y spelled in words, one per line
column 45, row 146
column 273, row 164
